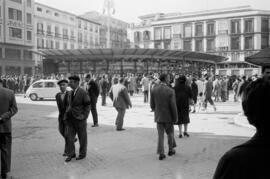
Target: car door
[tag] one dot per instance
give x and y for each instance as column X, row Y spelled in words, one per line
column 51, row 89
column 38, row 88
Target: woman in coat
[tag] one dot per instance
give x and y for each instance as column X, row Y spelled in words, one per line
column 183, row 94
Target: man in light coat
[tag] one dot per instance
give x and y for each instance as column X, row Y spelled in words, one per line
column 121, row 101
column 8, row 108
column 163, row 103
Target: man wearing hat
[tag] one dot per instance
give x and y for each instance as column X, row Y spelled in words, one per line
column 8, row 108
column 77, row 114
column 62, row 104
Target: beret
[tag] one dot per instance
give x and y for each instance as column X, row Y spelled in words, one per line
column 62, row 81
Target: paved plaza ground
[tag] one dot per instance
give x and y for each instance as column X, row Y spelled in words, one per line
column 38, row 146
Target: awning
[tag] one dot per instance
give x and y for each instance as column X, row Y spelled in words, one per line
column 131, row 54
column 261, row 58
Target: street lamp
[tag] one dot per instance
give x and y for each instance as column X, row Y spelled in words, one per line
column 108, row 8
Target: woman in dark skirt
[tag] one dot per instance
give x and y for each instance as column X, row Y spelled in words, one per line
column 183, row 96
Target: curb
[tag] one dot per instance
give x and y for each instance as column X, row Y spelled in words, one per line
column 241, row 120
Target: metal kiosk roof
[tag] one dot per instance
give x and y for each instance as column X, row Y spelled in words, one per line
column 130, row 54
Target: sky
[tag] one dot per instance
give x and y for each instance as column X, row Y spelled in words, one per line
column 130, row 10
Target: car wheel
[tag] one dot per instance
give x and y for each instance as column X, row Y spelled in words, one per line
column 33, row 97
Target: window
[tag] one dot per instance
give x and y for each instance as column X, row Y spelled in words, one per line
column 13, row 53
column 65, row 33
column 40, row 43
column 199, row 45
column 91, row 28
column 249, row 26
column 235, row 27
column 15, row 33
column 40, row 27
column 71, row 19
column 72, row 46
column 137, row 36
column 28, row 3
column 38, row 85
column 39, row 9
column 248, row 42
column 85, row 25
column 17, row 1
column 48, row 11
column 187, row 45
column 265, row 41
column 29, row 18
column 79, row 23
column 80, row 37
column 56, row 14
column 14, row 14
column 211, row 44
column 65, row 46
column 167, row 33
column 158, row 45
column 265, row 25
column 211, row 29
column 158, row 33
column 187, row 30
column 29, row 35
column 50, row 85
column 49, row 29
column 198, row 30
column 27, row 54
column 57, row 45
column 167, row 45
column 235, row 43
column 146, row 35
column 176, row 45
column 56, row 29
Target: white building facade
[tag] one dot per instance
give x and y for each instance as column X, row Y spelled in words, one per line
column 234, row 32
column 16, row 37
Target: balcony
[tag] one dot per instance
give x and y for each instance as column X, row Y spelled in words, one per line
column 65, row 37
column 49, row 34
column 57, row 35
column 40, row 32
column 72, row 38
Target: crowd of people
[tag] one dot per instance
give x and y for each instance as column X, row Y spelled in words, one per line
column 171, row 96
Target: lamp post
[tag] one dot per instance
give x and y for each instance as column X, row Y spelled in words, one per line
column 108, row 9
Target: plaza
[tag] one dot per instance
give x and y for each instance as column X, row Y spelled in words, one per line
column 38, row 146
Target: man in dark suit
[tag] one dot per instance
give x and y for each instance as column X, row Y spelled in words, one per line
column 104, row 89
column 62, row 104
column 77, row 114
column 8, row 108
column 163, row 103
column 93, row 91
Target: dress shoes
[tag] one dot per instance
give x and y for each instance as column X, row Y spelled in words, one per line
column 95, row 125
column 180, row 136
column 64, row 154
column 70, row 158
column 121, row 129
column 186, row 134
column 162, row 156
column 171, row 153
column 80, row 157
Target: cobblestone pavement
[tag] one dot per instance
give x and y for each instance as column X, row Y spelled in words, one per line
column 37, row 145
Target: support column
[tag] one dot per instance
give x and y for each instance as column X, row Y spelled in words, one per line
column 122, row 68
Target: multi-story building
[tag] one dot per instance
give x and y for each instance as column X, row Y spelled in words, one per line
column 57, row 29
column 232, row 32
column 118, row 30
column 16, row 37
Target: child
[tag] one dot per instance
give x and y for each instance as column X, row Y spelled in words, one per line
column 200, row 101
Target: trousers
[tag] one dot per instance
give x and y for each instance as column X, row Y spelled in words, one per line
column 62, row 127
column 120, row 118
column 169, row 129
column 94, row 112
column 5, row 149
column 80, row 128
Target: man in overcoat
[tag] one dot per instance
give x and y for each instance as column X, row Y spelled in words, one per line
column 163, row 103
column 8, row 108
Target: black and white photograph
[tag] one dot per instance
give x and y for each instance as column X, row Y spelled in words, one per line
column 134, row 89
